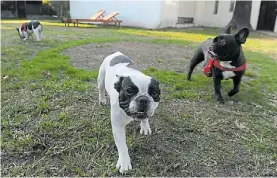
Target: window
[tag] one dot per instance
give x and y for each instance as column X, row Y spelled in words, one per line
column 232, row 5
column 215, row 6
column 183, row 20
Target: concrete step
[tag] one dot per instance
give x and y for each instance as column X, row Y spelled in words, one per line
column 184, row 25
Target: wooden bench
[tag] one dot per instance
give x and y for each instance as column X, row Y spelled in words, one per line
column 98, row 17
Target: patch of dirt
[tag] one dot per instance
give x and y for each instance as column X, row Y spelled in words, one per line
column 169, row 57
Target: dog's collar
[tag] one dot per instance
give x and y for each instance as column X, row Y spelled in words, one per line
column 216, row 64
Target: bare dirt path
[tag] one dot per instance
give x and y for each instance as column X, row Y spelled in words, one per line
column 169, row 57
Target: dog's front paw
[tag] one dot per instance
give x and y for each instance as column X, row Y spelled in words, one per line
column 102, row 101
column 145, row 128
column 123, row 164
column 232, row 92
column 102, row 98
column 219, row 99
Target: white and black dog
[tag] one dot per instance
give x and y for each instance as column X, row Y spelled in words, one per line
column 27, row 29
column 133, row 96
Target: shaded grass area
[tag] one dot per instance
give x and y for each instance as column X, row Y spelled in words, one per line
column 52, row 125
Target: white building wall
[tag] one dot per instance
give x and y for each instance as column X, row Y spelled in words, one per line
column 255, row 12
column 154, row 14
column 169, row 13
column 200, row 7
column 144, row 14
column 204, row 14
column 172, row 9
column 186, row 8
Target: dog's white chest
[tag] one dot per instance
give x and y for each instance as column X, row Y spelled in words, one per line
column 227, row 74
column 226, row 64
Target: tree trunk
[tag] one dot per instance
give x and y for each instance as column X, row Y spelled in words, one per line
column 241, row 15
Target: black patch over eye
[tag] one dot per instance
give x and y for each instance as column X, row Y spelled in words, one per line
column 154, row 93
column 154, row 90
column 118, row 84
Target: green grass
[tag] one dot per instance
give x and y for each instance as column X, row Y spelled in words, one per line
column 179, row 87
column 52, row 125
column 255, row 43
column 46, row 22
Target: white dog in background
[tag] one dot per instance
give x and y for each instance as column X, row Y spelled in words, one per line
column 133, row 96
column 27, row 29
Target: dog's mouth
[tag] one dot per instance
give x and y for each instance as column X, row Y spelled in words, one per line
column 223, row 54
column 139, row 115
column 212, row 53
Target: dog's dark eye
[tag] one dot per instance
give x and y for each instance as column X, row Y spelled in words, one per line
column 130, row 91
column 155, row 93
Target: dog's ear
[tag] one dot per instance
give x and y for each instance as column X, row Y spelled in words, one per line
column 228, row 30
column 118, row 84
column 155, row 83
column 17, row 29
column 154, row 80
column 242, row 35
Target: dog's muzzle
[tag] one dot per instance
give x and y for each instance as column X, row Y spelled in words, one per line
column 142, row 106
column 214, row 52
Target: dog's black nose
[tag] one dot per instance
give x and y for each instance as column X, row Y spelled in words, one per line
column 143, row 100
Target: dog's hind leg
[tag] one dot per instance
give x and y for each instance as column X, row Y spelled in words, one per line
column 101, row 84
column 40, row 35
column 196, row 59
column 40, row 31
